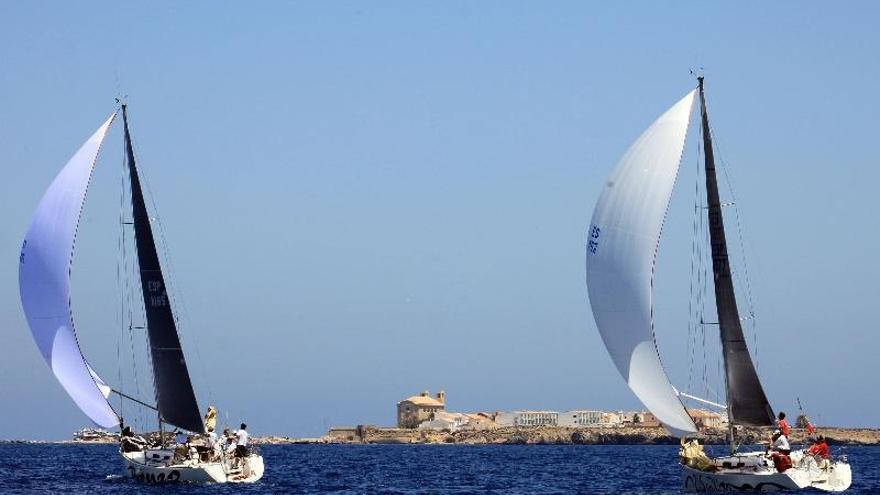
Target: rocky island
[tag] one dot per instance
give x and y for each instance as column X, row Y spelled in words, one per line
column 556, row 435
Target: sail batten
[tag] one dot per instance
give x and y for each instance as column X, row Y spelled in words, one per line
column 175, row 397
column 746, row 402
column 44, row 281
column 622, row 246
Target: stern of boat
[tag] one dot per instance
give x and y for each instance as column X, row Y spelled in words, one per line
column 832, row 475
column 157, row 466
column 253, row 473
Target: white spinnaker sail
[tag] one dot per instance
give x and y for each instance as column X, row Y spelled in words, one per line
column 622, row 246
column 44, row 282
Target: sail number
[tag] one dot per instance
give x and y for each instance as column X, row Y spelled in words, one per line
column 593, row 242
column 157, row 294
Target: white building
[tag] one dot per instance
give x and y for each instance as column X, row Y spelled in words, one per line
column 527, row 418
column 580, row 418
column 443, row 420
column 610, row 419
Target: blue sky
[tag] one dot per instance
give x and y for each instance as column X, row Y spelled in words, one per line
column 362, row 201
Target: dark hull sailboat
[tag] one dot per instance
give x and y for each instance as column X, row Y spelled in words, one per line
column 44, row 281
column 622, row 247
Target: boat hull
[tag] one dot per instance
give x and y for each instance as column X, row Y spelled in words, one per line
column 721, row 482
column 827, row 476
column 752, row 472
column 157, row 466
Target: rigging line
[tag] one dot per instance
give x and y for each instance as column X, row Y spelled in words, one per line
column 136, row 272
column 179, row 308
column 177, row 302
column 129, row 271
column 183, row 317
column 708, row 345
column 125, row 396
column 694, row 283
column 701, row 272
column 119, row 290
column 725, row 167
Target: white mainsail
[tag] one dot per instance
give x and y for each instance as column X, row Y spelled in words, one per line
column 44, row 282
column 621, row 252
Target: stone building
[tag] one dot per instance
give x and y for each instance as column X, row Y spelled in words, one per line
column 645, row 419
column 706, row 419
column 418, row 408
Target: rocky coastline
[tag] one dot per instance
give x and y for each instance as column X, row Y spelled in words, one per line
column 552, row 435
column 535, row 435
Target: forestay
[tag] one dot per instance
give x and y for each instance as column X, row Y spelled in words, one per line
column 44, row 282
column 623, row 239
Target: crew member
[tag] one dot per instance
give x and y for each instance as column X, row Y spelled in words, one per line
column 241, row 440
column 783, row 425
column 182, row 449
column 779, row 443
column 211, row 449
column 229, row 444
column 819, row 451
column 212, row 437
column 779, row 452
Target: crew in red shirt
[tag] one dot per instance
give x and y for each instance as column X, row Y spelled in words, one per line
column 820, row 448
column 783, row 424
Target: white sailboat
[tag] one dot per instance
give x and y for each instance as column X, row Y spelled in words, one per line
column 622, row 247
column 44, row 282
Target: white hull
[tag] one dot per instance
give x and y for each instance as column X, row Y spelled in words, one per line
column 834, row 477
column 753, row 472
column 735, row 481
column 157, row 466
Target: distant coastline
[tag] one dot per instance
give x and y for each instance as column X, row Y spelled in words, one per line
column 532, row 435
column 555, row 435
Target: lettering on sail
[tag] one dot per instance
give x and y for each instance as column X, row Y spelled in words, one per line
column 158, row 297
column 593, row 242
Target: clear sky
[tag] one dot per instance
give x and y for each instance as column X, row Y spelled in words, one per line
column 365, row 200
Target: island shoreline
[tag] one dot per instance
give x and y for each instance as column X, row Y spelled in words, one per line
column 532, row 435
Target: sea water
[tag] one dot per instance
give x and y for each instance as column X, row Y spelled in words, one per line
column 393, row 469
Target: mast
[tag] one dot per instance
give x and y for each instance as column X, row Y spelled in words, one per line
column 746, row 402
column 175, row 398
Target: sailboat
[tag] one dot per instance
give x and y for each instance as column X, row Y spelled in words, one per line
column 44, row 283
column 621, row 253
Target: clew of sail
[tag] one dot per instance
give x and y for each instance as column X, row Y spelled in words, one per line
column 622, row 245
column 44, row 281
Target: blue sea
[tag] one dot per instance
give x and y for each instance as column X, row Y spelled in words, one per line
column 392, row 469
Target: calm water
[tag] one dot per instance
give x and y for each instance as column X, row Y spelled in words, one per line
column 393, row 469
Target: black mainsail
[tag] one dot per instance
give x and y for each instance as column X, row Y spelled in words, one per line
column 175, row 397
column 746, row 402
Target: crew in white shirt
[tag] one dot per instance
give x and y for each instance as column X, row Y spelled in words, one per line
column 780, row 443
column 241, row 439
